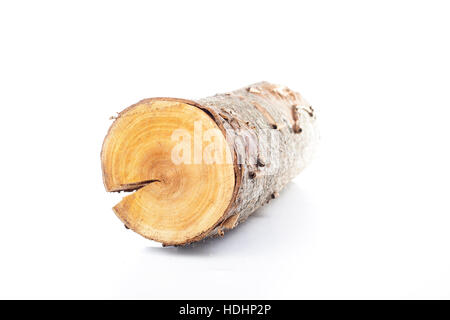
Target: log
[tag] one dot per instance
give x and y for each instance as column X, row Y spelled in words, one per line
column 195, row 169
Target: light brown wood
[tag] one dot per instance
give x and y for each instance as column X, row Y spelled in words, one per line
column 262, row 136
column 174, row 202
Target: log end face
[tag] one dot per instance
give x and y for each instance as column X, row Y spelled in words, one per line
column 178, row 194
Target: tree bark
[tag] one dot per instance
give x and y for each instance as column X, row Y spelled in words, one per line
column 270, row 133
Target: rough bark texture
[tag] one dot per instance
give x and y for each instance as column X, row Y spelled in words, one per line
column 263, row 165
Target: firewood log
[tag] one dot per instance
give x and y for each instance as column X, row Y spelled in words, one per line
column 195, row 169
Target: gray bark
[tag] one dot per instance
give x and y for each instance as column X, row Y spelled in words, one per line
column 271, row 131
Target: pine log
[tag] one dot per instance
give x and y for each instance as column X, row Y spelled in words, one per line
column 195, row 169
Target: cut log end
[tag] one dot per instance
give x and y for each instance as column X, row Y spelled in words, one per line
column 174, row 202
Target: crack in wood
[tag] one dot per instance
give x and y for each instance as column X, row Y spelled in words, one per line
column 130, row 187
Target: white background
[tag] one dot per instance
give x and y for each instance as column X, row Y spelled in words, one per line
column 370, row 218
